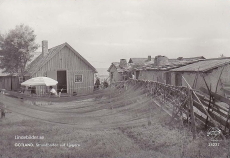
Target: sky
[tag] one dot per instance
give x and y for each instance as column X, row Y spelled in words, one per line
column 105, row 31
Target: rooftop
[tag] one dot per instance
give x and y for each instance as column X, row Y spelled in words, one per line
column 204, row 66
column 173, row 63
column 40, row 60
column 138, row 61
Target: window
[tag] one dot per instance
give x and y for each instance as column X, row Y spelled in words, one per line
column 78, row 78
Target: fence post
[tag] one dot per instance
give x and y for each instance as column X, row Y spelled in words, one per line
column 227, row 120
column 192, row 113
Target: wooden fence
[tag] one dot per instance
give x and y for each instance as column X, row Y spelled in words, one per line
column 184, row 103
column 9, row 83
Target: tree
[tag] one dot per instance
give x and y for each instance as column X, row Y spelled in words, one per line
column 16, row 48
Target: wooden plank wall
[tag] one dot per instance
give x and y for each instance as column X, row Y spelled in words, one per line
column 69, row 61
column 6, row 81
column 116, row 75
column 153, row 75
column 80, row 88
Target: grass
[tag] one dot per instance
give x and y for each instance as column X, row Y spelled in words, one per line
column 144, row 136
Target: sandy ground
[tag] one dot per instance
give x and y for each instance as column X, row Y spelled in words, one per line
column 118, row 123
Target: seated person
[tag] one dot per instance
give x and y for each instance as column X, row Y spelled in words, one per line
column 33, row 90
column 53, row 91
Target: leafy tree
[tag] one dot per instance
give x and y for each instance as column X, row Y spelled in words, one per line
column 16, row 48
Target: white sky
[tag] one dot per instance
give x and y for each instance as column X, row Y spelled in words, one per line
column 105, row 31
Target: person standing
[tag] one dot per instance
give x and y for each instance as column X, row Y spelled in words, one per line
column 3, row 114
column 97, row 83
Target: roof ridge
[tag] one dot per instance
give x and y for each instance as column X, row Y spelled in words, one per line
column 57, row 46
column 51, row 53
column 204, row 65
column 220, row 58
column 81, row 57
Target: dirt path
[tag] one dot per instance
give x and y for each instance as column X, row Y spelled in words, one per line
column 111, row 112
column 113, row 124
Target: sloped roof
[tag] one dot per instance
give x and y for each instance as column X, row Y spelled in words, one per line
column 3, row 74
column 143, row 61
column 117, row 66
column 38, row 62
column 173, row 63
column 195, row 58
column 139, row 61
column 35, row 55
column 204, row 66
column 6, row 74
column 191, row 58
column 120, row 69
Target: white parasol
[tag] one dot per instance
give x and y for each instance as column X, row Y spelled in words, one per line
column 40, row 81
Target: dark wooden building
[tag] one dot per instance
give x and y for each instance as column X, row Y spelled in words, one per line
column 9, row 82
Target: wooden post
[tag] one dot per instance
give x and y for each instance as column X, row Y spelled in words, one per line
column 213, row 121
column 209, row 106
column 193, row 125
column 227, row 120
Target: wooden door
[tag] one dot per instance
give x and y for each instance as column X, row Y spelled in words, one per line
column 168, row 78
column 178, row 79
column 137, row 74
column 62, row 81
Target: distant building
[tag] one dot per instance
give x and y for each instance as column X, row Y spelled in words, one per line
column 137, row 63
column 117, row 71
column 216, row 73
column 157, row 69
column 8, row 82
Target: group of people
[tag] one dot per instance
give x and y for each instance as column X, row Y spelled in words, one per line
column 32, row 90
column 53, row 92
column 98, row 84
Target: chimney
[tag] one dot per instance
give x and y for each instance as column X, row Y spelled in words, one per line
column 149, row 58
column 180, row 58
column 123, row 63
column 161, row 60
column 45, row 47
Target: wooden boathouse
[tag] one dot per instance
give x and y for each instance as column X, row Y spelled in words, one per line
column 64, row 64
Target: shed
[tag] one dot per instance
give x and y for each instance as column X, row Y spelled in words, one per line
column 64, row 64
column 8, row 81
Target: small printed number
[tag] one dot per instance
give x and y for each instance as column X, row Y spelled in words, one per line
column 213, row 144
